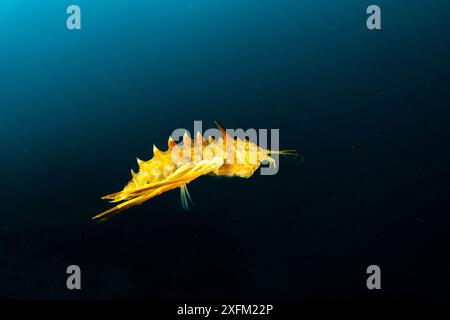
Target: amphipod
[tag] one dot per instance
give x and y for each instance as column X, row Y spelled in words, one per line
column 186, row 161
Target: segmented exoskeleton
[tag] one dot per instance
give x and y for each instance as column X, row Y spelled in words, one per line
column 186, row 161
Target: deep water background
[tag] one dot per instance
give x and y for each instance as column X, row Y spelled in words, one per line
column 368, row 110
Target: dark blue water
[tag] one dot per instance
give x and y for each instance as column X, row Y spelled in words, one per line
column 368, row 110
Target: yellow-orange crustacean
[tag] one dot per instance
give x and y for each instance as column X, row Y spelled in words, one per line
column 186, row 161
